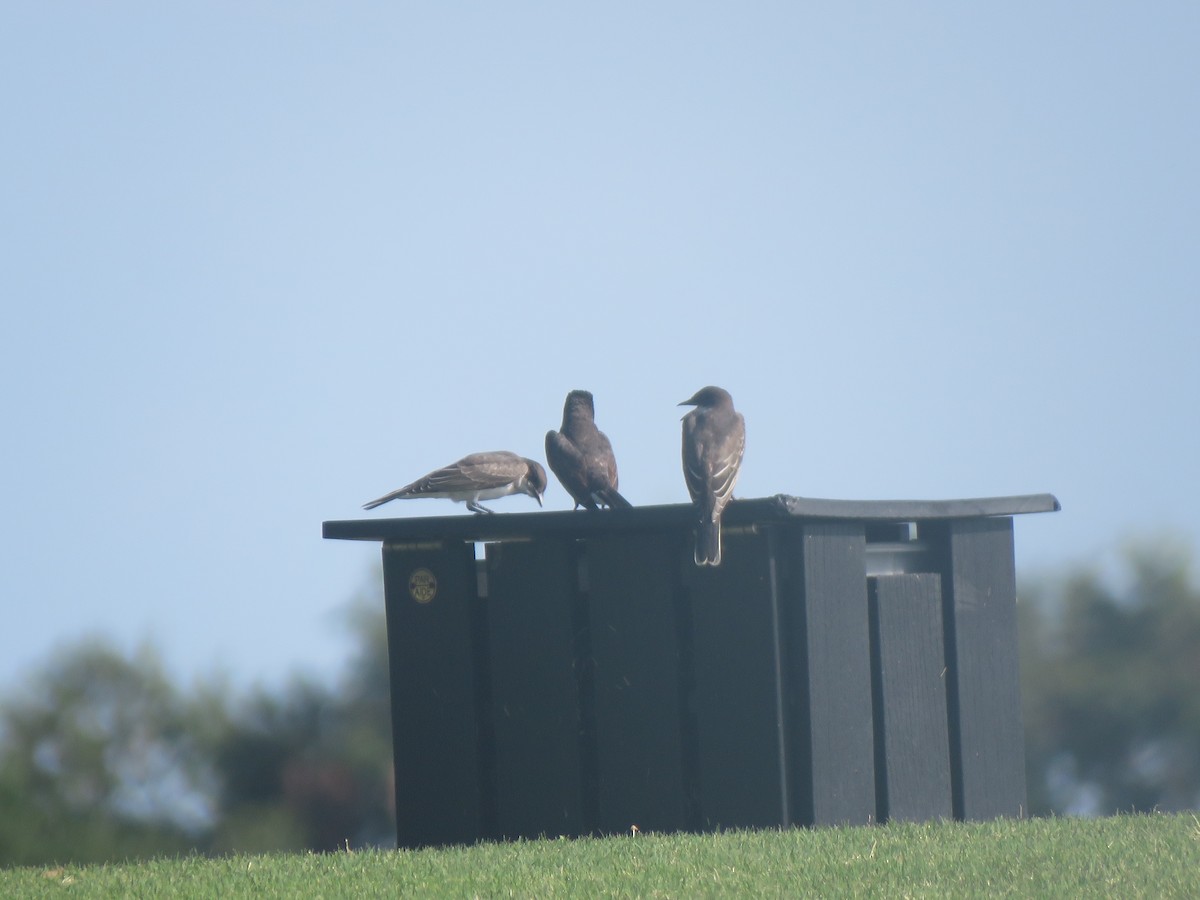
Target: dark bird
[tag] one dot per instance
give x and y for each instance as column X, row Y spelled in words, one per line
column 582, row 457
column 480, row 476
column 714, row 438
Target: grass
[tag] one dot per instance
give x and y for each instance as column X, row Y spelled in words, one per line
column 1126, row 856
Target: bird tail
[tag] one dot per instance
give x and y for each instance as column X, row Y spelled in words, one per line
column 613, row 500
column 384, row 499
column 708, row 542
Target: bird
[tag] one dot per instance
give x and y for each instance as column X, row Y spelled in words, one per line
column 714, row 439
column 582, row 456
column 478, row 476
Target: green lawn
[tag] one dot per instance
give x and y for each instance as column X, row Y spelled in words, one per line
column 1127, row 856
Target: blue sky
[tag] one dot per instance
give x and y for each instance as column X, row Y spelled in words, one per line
column 262, row 262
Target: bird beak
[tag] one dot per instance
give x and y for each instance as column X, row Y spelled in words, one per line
column 538, row 498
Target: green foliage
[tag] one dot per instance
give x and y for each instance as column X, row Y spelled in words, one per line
column 1141, row 856
column 101, row 756
column 1109, row 682
column 104, row 758
column 304, row 756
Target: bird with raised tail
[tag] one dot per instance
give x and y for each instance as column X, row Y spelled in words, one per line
column 714, row 439
column 479, row 476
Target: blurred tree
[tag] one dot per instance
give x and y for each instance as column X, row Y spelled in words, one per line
column 1109, row 680
column 102, row 759
column 310, row 767
column 302, row 772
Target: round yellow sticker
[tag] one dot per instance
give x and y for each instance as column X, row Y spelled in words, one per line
column 422, row 584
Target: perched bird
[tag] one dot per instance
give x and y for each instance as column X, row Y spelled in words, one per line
column 714, row 438
column 582, row 457
column 480, row 476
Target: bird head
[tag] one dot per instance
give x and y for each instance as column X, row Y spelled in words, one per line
column 579, row 400
column 708, row 396
column 535, row 481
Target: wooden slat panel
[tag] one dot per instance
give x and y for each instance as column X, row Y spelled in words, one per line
column 535, row 704
column 912, row 744
column 741, row 754
column 633, row 607
column 987, row 737
column 834, row 761
column 433, row 645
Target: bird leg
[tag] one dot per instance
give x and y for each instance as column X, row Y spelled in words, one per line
column 476, row 507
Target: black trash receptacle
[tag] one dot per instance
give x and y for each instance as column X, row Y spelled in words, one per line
column 848, row 662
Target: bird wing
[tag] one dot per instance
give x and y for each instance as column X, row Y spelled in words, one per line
column 710, row 468
column 479, row 471
column 693, row 465
column 606, row 460
column 567, row 463
column 727, row 461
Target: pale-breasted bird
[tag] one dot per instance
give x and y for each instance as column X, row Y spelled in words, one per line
column 714, row 439
column 480, row 476
column 582, row 457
